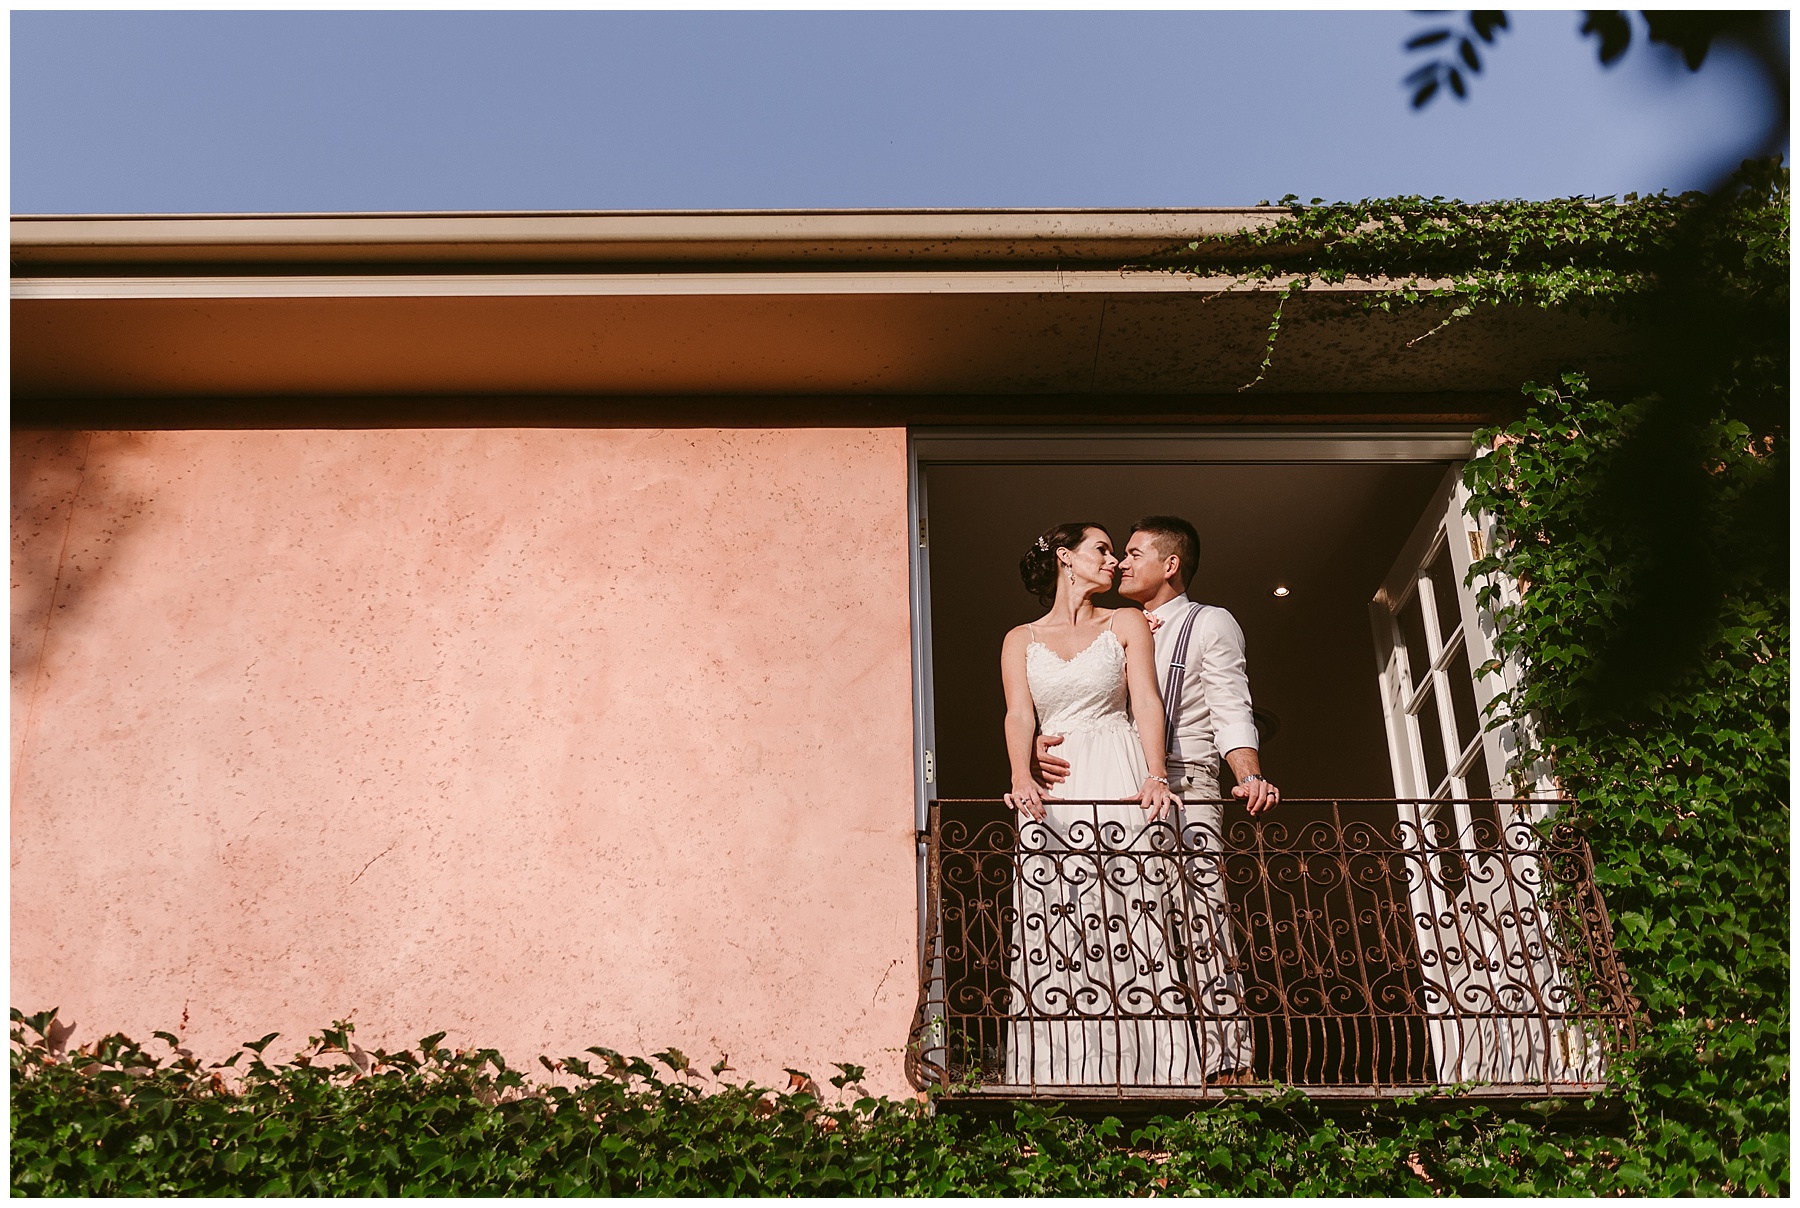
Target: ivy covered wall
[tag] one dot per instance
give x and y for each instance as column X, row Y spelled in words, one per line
column 1648, row 527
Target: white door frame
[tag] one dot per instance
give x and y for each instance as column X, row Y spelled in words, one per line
column 1475, row 924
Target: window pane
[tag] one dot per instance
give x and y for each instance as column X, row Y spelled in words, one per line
column 1412, row 636
column 1480, row 786
column 1462, row 697
column 1443, row 590
column 1431, row 738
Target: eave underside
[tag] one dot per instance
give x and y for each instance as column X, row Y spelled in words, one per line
column 922, row 317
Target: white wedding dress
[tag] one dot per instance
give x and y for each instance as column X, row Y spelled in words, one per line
column 1091, row 935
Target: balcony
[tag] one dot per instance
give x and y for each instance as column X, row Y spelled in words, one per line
column 1357, row 950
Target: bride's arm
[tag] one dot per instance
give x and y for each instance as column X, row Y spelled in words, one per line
column 1146, row 707
column 1021, row 726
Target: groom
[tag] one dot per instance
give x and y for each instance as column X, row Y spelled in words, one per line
column 1206, row 692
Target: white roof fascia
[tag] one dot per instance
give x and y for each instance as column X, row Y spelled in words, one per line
column 546, row 285
column 673, row 236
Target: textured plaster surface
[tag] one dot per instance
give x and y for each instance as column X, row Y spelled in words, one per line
column 548, row 738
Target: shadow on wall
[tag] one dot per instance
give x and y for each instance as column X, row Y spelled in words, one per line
column 72, row 514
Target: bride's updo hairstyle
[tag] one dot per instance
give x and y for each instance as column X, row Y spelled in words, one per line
column 1038, row 568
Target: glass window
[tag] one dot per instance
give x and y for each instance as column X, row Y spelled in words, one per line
column 1431, row 738
column 1412, row 636
column 1462, row 697
column 1444, row 593
column 1481, row 787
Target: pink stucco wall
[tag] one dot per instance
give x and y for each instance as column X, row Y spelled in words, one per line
column 545, row 737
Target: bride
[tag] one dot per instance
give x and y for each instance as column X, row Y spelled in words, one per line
column 1094, row 900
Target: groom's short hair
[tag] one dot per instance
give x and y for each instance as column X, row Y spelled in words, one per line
column 1174, row 536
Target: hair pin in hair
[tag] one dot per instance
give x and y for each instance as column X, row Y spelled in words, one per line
column 1043, row 545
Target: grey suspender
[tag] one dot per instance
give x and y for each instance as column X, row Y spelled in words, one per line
column 1177, row 673
column 1171, row 716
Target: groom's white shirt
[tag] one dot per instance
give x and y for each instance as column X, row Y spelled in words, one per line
column 1215, row 690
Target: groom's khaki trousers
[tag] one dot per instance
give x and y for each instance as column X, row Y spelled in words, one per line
column 1222, row 1032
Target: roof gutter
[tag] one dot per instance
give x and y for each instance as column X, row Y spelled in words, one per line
column 80, row 244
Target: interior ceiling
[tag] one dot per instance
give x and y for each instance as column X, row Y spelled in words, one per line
column 1327, row 531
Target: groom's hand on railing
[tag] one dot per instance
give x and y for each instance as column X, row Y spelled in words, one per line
column 1258, row 795
column 1047, row 769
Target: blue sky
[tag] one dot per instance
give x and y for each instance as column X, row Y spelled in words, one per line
column 268, row 111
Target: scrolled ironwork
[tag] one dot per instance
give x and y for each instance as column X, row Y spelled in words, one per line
column 1361, row 947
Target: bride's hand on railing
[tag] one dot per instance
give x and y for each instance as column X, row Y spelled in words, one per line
column 1156, row 798
column 1027, row 799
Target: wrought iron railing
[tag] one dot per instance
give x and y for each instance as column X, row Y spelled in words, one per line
column 1356, row 949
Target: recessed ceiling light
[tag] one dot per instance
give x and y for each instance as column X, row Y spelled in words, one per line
column 1281, row 593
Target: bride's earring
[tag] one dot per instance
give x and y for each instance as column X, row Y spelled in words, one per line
column 1071, row 576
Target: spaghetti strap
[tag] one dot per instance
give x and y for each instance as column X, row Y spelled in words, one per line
column 1031, row 630
column 1109, row 619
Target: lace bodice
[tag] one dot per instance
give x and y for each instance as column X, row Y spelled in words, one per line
column 1084, row 693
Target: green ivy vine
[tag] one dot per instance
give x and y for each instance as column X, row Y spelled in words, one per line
column 1648, row 527
column 1581, row 253
column 1685, row 799
column 114, row 1118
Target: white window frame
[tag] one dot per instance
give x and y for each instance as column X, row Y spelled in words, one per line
column 1447, row 525
column 1473, row 1049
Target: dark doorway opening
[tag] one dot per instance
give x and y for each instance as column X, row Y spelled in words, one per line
column 1327, row 532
